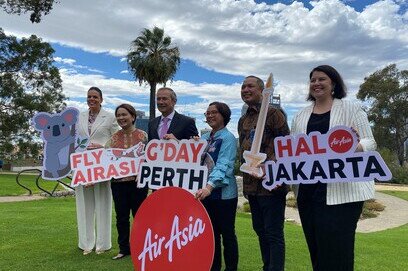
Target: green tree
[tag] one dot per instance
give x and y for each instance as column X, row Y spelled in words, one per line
column 29, row 83
column 152, row 60
column 37, row 8
column 387, row 91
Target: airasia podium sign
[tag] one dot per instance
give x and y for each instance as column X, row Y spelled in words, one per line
column 172, row 231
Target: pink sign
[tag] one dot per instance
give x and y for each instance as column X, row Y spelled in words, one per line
column 101, row 165
column 326, row 158
column 172, row 231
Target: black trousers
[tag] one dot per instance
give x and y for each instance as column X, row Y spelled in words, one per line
column 222, row 215
column 330, row 233
column 268, row 216
column 127, row 198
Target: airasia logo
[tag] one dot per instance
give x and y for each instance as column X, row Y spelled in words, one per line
column 340, row 141
column 172, row 231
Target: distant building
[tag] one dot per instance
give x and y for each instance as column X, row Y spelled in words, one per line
column 142, row 122
column 204, row 131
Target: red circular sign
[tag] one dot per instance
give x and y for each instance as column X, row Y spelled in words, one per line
column 340, row 141
column 172, row 231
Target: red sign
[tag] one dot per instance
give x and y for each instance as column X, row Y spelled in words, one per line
column 341, row 141
column 172, row 231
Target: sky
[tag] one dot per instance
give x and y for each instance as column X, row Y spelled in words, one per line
column 220, row 42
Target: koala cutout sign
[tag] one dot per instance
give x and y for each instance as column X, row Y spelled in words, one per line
column 59, row 134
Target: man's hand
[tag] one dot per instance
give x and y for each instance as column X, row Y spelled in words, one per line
column 262, row 166
column 169, row 136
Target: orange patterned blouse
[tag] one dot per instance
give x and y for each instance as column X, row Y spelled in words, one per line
column 122, row 140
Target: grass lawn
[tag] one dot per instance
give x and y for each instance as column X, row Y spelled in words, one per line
column 9, row 187
column 42, row 235
column 399, row 194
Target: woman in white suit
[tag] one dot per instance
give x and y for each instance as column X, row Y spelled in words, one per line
column 330, row 212
column 94, row 202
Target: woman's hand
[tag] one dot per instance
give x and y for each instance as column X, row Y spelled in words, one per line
column 203, row 193
column 359, row 146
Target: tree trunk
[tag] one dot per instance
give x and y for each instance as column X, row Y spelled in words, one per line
column 400, row 154
column 152, row 100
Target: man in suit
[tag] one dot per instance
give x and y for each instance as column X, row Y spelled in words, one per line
column 170, row 125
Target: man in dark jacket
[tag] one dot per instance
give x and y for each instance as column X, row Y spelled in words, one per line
column 267, row 207
column 170, row 125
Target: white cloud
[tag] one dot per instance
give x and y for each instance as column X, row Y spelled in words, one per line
column 68, row 61
column 233, row 37
column 71, row 63
column 226, row 35
column 117, row 91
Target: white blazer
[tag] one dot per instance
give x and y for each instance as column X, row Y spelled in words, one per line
column 349, row 114
column 103, row 128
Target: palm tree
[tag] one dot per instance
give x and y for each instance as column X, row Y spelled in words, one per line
column 152, row 60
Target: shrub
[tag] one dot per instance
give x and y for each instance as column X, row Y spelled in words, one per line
column 291, row 201
column 371, row 209
column 246, row 208
column 399, row 173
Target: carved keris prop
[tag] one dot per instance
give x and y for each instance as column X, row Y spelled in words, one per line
column 254, row 157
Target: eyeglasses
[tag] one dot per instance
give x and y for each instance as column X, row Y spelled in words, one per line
column 210, row 113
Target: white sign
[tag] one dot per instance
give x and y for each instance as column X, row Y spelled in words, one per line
column 326, row 158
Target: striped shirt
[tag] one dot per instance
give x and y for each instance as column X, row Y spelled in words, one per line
column 349, row 114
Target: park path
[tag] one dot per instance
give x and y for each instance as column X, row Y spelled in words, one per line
column 394, row 215
column 20, row 198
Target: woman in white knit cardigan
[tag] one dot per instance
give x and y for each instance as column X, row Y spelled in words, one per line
column 330, row 212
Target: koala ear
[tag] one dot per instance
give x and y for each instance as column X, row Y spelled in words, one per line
column 41, row 120
column 70, row 116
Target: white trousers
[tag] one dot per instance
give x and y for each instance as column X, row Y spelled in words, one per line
column 94, row 204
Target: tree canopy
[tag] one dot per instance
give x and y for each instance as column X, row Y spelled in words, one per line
column 151, row 59
column 29, row 83
column 387, row 91
column 38, row 8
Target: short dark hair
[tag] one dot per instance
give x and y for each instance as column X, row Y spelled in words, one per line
column 259, row 81
column 129, row 108
column 172, row 93
column 224, row 110
column 340, row 90
column 97, row 90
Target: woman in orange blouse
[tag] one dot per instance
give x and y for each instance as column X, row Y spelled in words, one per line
column 126, row 195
